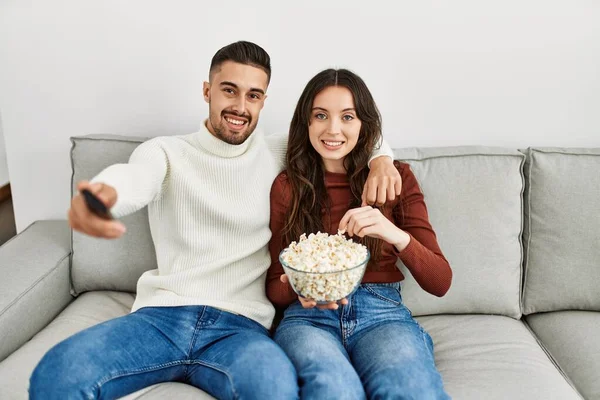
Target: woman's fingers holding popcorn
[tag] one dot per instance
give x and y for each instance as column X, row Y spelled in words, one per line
column 283, row 278
column 362, row 219
column 370, row 222
column 365, row 225
column 351, row 216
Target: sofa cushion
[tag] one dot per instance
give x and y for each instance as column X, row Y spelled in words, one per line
column 87, row 310
column 474, row 200
column 573, row 339
column 99, row 264
column 493, row 357
column 562, row 234
column 169, row 390
column 478, row 356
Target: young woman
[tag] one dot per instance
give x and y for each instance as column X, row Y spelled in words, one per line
column 367, row 345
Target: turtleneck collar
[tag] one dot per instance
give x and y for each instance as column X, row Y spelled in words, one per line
column 220, row 148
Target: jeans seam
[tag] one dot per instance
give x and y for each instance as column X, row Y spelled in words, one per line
column 121, row 374
column 344, row 334
column 374, row 293
column 221, row 370
column 426, row 337
column 195, row 334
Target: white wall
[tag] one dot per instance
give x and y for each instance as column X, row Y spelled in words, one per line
column 3, row 163
column 512, row 73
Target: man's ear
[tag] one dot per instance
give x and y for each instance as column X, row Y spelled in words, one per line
column 263, row 101
column 206, row 91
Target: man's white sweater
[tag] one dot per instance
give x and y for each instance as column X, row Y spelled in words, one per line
column 208, row 208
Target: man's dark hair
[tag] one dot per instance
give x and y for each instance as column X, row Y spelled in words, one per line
column 242, row 52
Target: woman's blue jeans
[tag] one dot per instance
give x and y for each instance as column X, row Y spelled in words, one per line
column 370, row 348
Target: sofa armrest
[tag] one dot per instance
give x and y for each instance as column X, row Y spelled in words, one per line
column 34, row 282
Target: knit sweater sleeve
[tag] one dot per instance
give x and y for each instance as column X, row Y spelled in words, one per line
column 381, row 149
column 139, row 181
column 279, row 293
column 277, row 144
column 423, row 256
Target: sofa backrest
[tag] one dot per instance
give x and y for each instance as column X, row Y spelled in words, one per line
column 474, row 201
column 562, row 230
column 99, row 264
column 474, row 198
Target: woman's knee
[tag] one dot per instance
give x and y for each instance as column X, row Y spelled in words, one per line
column 406, row 382
column 266, row 372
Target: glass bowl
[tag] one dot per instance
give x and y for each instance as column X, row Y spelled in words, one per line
column 325, row 287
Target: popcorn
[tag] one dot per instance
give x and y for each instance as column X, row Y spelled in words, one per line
column 324, row 266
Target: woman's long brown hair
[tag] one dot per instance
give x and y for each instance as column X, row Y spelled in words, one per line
column 305, row 171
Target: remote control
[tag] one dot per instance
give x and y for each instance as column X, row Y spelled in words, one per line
column 95, row 205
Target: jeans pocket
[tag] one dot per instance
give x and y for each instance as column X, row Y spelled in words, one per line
column 386, row 293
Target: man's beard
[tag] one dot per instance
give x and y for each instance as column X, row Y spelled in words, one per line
column 223, row 133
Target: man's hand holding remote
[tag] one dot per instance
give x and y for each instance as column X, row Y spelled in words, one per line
column 91, row 216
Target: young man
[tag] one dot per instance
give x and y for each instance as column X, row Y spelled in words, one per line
column 203, row 316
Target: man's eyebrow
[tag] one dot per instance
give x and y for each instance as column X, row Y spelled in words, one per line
column 227, row 83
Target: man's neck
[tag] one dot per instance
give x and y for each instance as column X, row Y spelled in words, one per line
column 210, row 128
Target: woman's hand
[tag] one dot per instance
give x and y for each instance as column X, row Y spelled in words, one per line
column 369, row 221
column 309, row 303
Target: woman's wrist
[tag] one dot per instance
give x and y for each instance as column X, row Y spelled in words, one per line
column 403, row 240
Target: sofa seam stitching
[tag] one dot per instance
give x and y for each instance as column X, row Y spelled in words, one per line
column 529, row 230
column 521, row 232
column 459, row 155
column 116, row 139
column 71, row 285
column 21, row 233
column 552, row 359
column 566, row 152
column 33, row 285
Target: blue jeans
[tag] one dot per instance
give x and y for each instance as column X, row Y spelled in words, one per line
column 227, row 355
column 371, row 348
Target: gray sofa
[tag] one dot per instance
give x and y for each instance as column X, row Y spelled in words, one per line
column 521, row 230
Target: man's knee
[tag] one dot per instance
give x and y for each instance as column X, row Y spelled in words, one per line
column 68, row 370
column 57, row 376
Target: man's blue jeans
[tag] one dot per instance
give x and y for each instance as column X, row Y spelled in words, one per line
column 371, row 348
column 226, row 355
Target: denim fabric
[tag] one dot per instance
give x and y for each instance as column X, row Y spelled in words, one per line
column 226, row 355
column 370, row 348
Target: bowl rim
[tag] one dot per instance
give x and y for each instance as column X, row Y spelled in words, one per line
column 285, row 265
